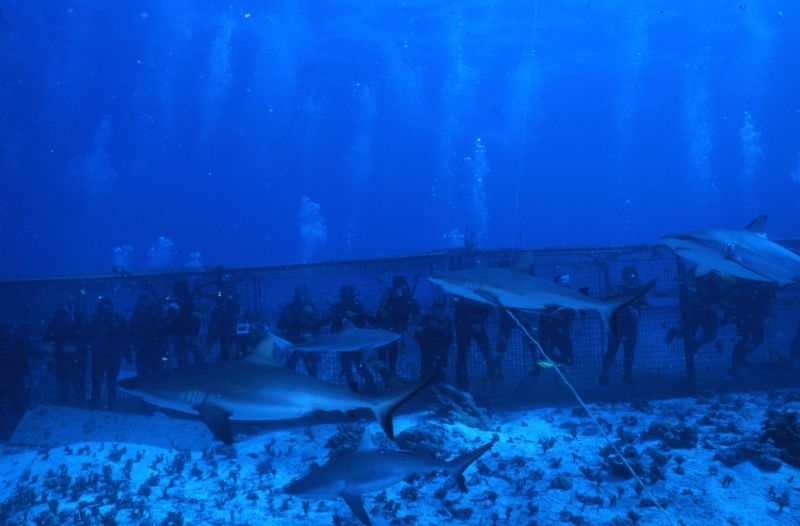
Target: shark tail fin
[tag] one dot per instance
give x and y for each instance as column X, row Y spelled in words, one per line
column 280, row 342
column 609, row 314
column 385, row 406
column 457, row 466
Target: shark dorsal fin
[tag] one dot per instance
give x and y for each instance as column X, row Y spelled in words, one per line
column 523, row 263
column 758, row 225
column 347, row 325
column 366, row 443
column 263, row 353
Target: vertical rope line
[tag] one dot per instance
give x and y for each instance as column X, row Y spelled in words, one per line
column 591, row 415
column 524, row 129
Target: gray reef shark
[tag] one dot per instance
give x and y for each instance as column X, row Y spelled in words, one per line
column 257, row 388
column 371, row 469
column 516, row 288
column 350, row 339
column 741, row 253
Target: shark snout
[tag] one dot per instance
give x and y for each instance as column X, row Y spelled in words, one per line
column 680, row 241
column 675, row 238
column 682, row 237
column 133, row 383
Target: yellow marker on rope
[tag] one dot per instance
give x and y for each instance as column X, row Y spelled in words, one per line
column 544, row 363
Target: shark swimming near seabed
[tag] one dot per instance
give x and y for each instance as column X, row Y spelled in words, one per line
column 740, row 253
column 515, row 287
column 258, row 388
column 351, row 338
column 370, row 469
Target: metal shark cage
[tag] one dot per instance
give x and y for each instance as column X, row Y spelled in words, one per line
column 660, row 369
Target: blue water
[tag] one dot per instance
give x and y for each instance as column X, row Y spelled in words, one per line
column 161, row 133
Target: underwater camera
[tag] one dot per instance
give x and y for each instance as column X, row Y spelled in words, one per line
column 242, row 328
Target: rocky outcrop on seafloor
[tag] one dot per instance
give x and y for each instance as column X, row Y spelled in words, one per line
column 779, row 442
column 425, row 438
column 456, row 406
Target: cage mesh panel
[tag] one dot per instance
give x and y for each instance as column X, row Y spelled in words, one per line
column 659, row 366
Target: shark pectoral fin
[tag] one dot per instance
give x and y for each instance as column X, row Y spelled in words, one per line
column 702, row 270
column 356, row 503
column 489, row 298
column 217, row 421
column 736, row 259
column 365, row 353
column 457, row 466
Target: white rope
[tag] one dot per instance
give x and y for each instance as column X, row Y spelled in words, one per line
column 524, row 129
column 591, row 415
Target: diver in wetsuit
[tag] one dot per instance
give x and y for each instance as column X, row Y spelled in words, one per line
column 627, row 328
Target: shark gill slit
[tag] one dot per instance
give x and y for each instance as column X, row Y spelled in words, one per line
column 194, row 398
column 591, row 415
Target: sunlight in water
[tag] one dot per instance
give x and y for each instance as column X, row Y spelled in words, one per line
column 312, row 227
column 751, row 154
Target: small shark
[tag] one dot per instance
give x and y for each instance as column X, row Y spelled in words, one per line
column 741, row 253
column 516, row 288
column 257, row 388
column 371, row 469
column 350, row 339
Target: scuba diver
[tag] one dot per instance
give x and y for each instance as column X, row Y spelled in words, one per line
column 470, row 323
column 67, row 336
column 148, row 332
column 554, row 330
column 627, row 328
column 434, row 336
column 750, row 304
column 183, row 322
column 506, row 327
column 397, row 308
column 299, row 323
column 110, row 343
column 224, row 318
column 350, row 307
column 249, row 333
column 700, row 300
column 15, row 372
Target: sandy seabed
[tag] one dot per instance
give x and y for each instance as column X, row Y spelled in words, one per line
column 549, row 466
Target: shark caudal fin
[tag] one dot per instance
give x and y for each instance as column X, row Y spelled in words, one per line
column 384, row 406
column 617, row 303
column 457, row 466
